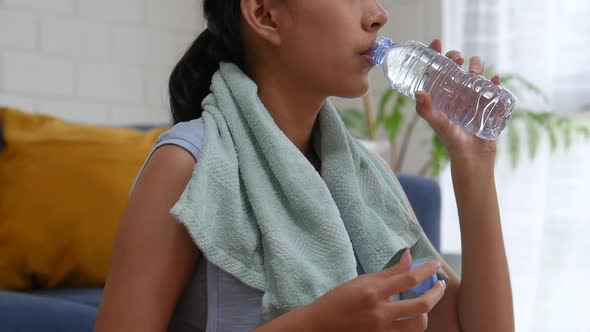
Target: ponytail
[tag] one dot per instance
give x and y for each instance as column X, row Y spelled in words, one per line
column 190, row 80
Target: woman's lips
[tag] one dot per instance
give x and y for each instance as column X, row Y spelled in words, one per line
column 367, row 55
column 367, row 58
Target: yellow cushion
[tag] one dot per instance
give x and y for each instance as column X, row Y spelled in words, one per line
column 63, row 188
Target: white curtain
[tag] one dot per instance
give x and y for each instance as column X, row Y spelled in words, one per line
column 543, row 212
column 547, row 41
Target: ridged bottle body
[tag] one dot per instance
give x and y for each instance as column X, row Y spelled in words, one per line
column 468, row 99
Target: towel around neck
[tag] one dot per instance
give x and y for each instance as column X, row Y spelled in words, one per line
column 258, row 209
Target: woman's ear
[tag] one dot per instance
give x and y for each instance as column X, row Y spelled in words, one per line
column 262, row 16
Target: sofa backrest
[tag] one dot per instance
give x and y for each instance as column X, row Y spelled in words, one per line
column 425, row 197
column 139, row 127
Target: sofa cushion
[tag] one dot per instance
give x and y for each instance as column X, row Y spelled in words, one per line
column 27, row 312
column 1, row 137
column 87, row 296
column 64, row 188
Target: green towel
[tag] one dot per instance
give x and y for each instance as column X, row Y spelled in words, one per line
column 258, row 209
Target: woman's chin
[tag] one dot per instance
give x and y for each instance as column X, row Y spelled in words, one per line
column 353, row 89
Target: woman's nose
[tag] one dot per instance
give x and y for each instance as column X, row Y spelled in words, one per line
column 376, row 17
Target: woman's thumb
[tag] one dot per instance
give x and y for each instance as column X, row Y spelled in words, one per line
column 424, row 105
column 436, row 119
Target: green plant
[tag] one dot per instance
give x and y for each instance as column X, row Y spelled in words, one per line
column 396, row 110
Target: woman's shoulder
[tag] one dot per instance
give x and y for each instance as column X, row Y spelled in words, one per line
column 188, row 135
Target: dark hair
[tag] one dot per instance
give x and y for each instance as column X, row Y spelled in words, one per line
column 222, row 41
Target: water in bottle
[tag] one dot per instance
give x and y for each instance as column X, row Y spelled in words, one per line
column 469, row 100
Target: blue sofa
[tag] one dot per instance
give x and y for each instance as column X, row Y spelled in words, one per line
column 67, row 310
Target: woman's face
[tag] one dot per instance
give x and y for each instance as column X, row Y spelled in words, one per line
column 325, row 43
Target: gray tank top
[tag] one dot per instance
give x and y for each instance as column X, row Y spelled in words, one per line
column 214, row 300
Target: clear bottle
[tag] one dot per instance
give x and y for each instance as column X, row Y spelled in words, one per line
column 469, row 100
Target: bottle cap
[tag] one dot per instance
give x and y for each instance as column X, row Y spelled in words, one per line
column 380, row 48
column 425, row 285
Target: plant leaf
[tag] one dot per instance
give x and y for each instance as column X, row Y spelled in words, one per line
column 584, row 131
column 402, row 100
column 383, row 106
column 548, row 121
column 393, row 124
column 507, row 79
column 550, row 127
column 533, row 137
column 354, row 119
column 566, row 126
column 439, row 156
column 489, row 72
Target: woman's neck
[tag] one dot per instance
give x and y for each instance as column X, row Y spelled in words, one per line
column 293, row 108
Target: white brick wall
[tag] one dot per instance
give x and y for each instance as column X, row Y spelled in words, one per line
column 17, row 31
column 74, row 37
column 37, row 75
column 127, row 11
column 94, row 61
column 109, row 82
column 42, row 6
column 180, row 17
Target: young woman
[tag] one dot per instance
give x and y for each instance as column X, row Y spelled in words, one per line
column 298, row 52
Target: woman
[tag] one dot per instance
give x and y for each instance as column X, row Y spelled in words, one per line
column 156, row 263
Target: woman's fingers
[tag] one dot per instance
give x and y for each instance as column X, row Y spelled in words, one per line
column 418, row 306
column 436, row 45
column 496, row 79
column 398, row 283
column 476, row 65
column 456, row 56
column 404, row 264
column 419, row 323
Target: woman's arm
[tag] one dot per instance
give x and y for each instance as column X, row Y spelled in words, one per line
column 482, row 300
column 153, row 255
column 485, row 296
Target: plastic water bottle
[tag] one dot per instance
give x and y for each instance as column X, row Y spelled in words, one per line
column 469, row 100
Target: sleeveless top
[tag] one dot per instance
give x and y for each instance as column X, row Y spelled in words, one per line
column 214, row 300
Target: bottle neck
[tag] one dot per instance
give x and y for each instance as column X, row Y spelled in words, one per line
column 381, row 47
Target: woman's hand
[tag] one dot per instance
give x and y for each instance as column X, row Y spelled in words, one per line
column 363, row 304
column 461, row 144
column 483, row 299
